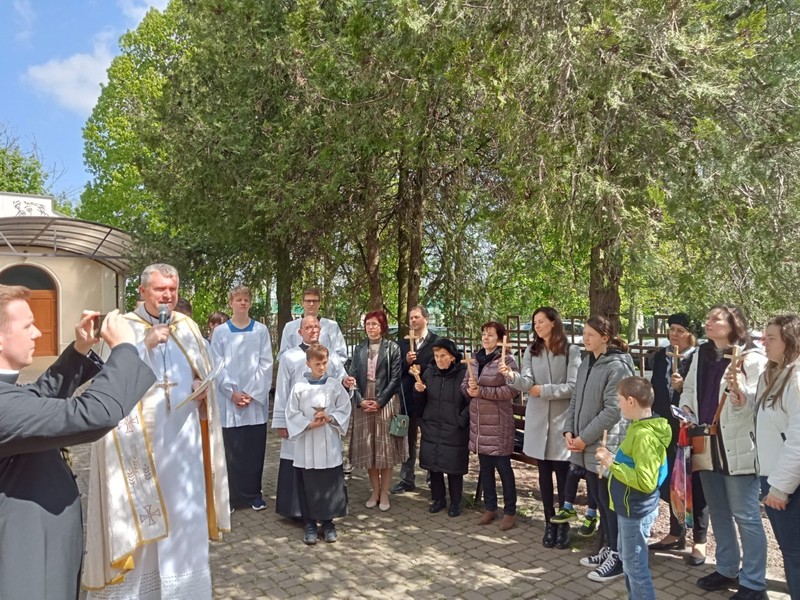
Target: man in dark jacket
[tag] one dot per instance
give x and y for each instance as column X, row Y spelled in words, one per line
column 421, row 356
column 40, row 510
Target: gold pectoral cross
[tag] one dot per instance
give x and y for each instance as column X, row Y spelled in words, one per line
column 166, row 385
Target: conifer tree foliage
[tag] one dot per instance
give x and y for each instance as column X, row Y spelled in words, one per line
column 481, row 158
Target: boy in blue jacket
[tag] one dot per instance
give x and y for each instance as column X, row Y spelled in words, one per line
column 634, row 475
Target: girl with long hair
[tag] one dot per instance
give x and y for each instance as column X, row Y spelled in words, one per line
column 778, row 440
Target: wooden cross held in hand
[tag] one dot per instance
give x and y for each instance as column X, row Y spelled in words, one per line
column 411, row 338
column 414, row 370
column 676, row 355
column 468, row 361
column 504, row 344
column 736, row 361
column 166, row 385
column 600, row 467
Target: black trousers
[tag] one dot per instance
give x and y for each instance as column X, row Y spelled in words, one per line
column 546, row 470
column 502, row 464
column 454, row 482
column 598, row 489
column 244, row 455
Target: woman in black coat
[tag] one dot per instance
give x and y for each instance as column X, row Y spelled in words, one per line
column 445, row 425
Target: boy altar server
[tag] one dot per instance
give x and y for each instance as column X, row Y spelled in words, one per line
column 244, row 348
column 317, row 417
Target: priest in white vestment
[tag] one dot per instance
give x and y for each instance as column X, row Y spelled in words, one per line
column 158, row 485
column 291, row 368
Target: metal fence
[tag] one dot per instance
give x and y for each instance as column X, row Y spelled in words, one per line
column 467, row 337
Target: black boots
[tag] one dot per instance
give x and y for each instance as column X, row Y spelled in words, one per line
column 562, row 536
column 549, row 539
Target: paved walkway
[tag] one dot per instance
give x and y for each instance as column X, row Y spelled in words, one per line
column 407, row 552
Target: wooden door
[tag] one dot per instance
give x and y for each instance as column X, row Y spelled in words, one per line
column 43, row 305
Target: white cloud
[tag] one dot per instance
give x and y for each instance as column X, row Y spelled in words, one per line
column 25, row 16
column 74, row 82
column 135, row 10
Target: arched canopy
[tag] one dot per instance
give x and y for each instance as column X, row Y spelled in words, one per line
column 66, row 237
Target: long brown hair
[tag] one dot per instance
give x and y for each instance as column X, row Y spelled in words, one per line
column 737, row 322
column 605, row 328
column 558, row 338
column 776, row 376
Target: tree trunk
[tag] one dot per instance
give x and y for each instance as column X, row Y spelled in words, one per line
column 410, row 228
column 605, row 268
column 372, row 265
column 403, row 250
column 283, row 285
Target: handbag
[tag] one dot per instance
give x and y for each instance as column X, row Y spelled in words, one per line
column 705, row 444
column 399, row 424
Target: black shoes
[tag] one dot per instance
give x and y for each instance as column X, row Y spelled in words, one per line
column 310, row 534
column 403, row 487
column 329, row 532
column 455, row 509
column 745, row 593
column 716, row 581
column 549, row 539
column 562, row 536
column 679, row 544
column 437, row 505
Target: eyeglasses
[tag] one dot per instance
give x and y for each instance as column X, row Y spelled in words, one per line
column 372, row 325
column 311, row 300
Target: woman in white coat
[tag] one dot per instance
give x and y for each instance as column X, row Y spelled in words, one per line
column 731, row 486
column 778, row 440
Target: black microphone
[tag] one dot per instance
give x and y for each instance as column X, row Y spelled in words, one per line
column 164, row 313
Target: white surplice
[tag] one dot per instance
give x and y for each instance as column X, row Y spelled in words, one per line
column 291, row 368
column 321, row 447
column 247, row 359
column 330, row 336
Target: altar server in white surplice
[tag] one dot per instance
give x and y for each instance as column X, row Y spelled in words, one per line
column 330, row 334
column 291, row 368
column 158, row 487
column 317, row 417
column 243, row 347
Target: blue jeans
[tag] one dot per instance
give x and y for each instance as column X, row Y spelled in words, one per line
column 503, row 465
column 786, row 527
column 733, row 501
column 632, row 543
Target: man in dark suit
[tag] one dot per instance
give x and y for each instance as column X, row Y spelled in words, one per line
column 421, row 356
column 40, row 509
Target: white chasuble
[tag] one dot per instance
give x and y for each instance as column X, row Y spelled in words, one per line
column 148, row 529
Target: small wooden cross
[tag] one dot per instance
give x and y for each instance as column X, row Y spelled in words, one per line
column 468, row 361
column 600, row 468
column 166, row 385
column 504, row 344
column 676, row 355
column 411, row 338
column 736, row 361
column 414, row 370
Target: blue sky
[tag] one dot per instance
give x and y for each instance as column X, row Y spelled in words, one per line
column 55, row 54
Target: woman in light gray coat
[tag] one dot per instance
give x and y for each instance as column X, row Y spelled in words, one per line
column 593, row 411
column 549, row 368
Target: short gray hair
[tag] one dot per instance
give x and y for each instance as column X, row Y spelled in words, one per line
column 163, row 268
